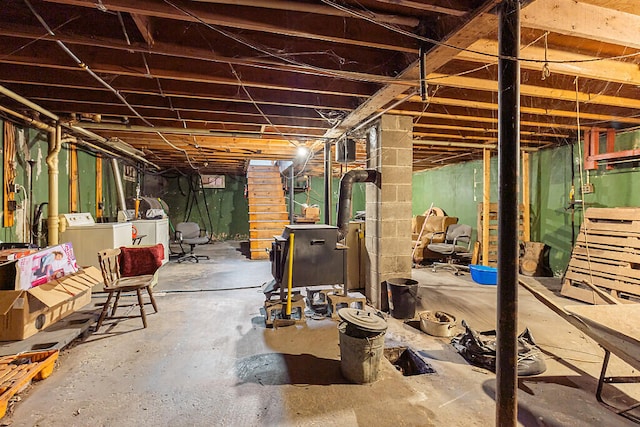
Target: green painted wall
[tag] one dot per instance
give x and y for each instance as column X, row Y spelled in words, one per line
column 225, row 211
column 458, row 188
column 551, row 216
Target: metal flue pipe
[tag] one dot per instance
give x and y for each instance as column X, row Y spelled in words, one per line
column 328, row 176
column 344, row 199
column 119, row 189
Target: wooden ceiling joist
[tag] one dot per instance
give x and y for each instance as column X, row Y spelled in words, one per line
column 252, row 79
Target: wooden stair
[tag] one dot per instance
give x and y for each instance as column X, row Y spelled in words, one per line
column 268, row 213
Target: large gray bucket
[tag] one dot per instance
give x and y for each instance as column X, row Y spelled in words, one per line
column 360, row 357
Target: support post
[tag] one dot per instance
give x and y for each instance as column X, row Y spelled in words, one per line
column 526, row 214
column 508, row 165
column 486, row 203
column 292, row 193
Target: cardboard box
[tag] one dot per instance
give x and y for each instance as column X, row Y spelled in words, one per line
column 45, row 265
column 311, row 212
column 25, row 312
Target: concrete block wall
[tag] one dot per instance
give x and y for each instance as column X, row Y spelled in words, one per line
column 388, row 206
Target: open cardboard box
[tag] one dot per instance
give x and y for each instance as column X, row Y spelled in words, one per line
column 25, row 312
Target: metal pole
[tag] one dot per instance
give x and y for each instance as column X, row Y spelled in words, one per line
column 291, row 196
column 508, row 166
column 327, row 182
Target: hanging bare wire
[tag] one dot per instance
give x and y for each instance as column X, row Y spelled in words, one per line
column 85, row 67
column 461, row 49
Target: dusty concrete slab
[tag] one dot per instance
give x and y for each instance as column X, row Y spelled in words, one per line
column 208, row 359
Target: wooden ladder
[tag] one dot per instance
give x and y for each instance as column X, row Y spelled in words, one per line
column 268, row 214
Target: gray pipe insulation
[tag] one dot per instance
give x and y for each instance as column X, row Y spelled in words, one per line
column 344, row 199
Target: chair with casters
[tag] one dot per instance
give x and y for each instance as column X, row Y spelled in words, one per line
column 189, row 234
column 115, row 284
column 455, row 248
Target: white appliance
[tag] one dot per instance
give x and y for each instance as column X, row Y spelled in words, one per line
column 88, row 237
column 154, row 231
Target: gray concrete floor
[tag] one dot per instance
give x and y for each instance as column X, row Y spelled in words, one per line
column 207, row 359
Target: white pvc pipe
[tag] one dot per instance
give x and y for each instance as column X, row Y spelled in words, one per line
column 55, row 144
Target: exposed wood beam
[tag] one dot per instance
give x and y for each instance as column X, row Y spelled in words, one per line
column 534, row 91
column 530, row 110
column 180, row 131
column 200, row 14
column 583, row 66
column 187, row 52
column 318, row 9
column 144, row 25
column 426, row 7
column 208, row 107
column 183, row 89
column 578, row 19
column 477, row 119
column 273, row 80
column 630, row 6
column 478, row 25
column 468, row 129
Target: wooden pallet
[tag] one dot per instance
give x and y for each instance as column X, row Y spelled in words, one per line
column 18, row 370
column 493, row 230
column 606, row 254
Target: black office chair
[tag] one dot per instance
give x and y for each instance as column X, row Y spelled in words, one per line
column 189, row 233
column 456, row 247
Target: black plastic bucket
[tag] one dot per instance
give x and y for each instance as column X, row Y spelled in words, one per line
column 402, row 297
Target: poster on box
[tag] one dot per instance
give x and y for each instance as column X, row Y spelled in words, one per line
column 46, row 265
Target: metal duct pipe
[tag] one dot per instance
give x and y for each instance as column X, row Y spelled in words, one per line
column 55, row 144
column 344, row 199
column 327, row 182
column 119, row 189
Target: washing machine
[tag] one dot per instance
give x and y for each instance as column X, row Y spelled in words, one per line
column 88, row 237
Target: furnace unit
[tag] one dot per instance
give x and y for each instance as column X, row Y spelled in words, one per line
column 318, row 258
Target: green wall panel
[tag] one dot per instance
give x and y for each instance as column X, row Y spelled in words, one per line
column 225, row 211
column 87, row 182
column 456, row 189
column 551, row 215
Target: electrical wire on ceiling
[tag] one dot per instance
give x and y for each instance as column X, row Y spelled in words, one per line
column 42, row 37
column 461, row 49
column 244, row 89
column 281, row 57
column 85, row 67
column 255, row 104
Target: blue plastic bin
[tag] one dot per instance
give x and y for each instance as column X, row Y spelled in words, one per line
column 484, row 275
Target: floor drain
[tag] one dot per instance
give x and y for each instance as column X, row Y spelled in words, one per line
column 407, row 361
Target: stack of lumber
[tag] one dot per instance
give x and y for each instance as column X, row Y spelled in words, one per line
column 607, row 255
column 493, row 230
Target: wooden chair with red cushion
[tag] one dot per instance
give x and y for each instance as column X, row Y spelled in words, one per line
column 115, row 284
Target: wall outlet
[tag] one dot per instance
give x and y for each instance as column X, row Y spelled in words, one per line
column 587, row 188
